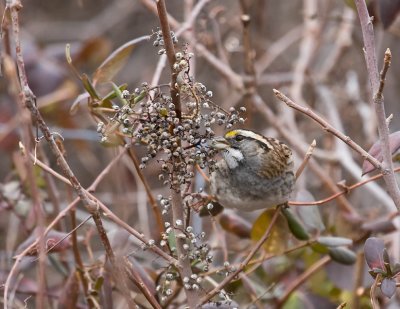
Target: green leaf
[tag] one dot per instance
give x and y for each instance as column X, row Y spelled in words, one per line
column 99, row 283
column 112, row 95
column 310, row 217
column 331, row 241
column 379, row 271
column 113, row 64
column 342, row 255
column 87, row 84
column 295, row 225
column 278, row 239
column 172, row 241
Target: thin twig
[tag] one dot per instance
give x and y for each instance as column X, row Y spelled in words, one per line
column 307, row 158
column 343, row 305
column 30, row 102
column 245, row 262
column 108, row 213
column 327, row 127
column 130, row 269
column 224, row 69
column 302, row 278
column 256, row 262
column 336, row 195
column 78, row 259
column 358, row 279
column 372, row 292
column 149, row 193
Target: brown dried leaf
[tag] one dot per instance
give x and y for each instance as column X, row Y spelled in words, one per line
column 77, row 102
column 235, row 224
column 277, row 241
column 51, row 239
column 111, row 66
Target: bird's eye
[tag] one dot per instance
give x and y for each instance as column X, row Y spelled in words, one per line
column 239, row 138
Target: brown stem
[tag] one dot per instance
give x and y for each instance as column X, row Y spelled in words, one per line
column 134, row 274
column 224, row 69
column 78, row 260
column 177, row 205
column 149, row 193
column 170, row 50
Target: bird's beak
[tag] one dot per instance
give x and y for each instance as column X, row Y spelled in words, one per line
column 219, row 143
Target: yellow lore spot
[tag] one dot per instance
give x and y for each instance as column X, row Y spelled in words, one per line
column 231, row 134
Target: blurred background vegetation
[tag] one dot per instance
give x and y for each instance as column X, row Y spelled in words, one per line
column 311, row 49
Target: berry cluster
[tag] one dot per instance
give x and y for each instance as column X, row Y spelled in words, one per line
column 159, row 40
column 150, row 118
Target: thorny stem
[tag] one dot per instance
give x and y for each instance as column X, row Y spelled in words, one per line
column 245, row 262
column 377, row 84
column 118, row 270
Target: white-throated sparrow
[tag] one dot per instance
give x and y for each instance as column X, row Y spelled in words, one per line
column 255, row 172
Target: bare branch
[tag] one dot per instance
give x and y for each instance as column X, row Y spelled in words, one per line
column 377, row 84
column 327, row 127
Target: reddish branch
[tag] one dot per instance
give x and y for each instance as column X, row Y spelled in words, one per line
column 177, row 205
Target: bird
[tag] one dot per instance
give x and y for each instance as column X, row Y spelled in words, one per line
column 253, row 173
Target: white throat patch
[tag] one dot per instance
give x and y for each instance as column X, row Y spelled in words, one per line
column 232, row 157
